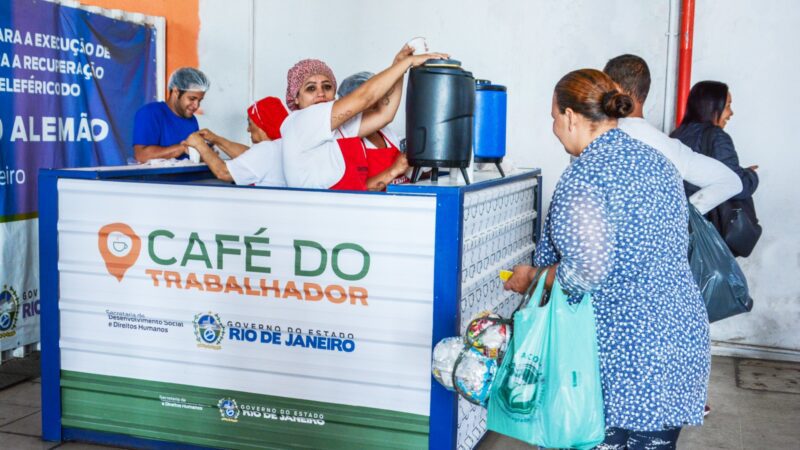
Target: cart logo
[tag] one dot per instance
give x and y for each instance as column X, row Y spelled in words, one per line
column 9, row 311
column 228, row 410
column 119, row 246
column 209, row 330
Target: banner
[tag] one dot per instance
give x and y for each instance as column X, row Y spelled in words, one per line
column 70, row 84
column 246, row 318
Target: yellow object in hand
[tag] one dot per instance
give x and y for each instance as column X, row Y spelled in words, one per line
column 505, row 274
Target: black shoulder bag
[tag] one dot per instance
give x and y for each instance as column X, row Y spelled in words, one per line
column 735, row 220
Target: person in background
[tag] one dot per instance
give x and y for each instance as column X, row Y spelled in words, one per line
column 715, row 182
column 616, row 228
column 383, row 153
column 259, row 165
column 709, row 108
column 712, row 181
column 322, row 147
column 159, row 128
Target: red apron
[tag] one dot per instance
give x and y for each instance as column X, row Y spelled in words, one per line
column 355, row 165
column 380, row 159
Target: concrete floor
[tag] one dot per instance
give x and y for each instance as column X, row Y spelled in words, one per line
column 741, row 419
column 21, row 420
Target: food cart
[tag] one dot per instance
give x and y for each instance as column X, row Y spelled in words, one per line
column 180, row 311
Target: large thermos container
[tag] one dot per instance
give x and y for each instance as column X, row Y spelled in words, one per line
column 489, row 135
column 440, row 104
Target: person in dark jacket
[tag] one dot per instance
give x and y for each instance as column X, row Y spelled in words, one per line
column 709, row 107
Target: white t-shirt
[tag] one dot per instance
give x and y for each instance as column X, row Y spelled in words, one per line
column 311, row 156
column 261, row 165
column 388, row 134
column 716, row 181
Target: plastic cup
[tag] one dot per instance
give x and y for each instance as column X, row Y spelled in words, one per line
column 419, row 45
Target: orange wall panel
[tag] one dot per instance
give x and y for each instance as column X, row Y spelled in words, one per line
column 183, row 25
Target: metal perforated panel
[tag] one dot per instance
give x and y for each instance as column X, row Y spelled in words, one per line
column 498, row 234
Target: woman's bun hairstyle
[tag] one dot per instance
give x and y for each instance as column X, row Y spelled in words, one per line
column 592, row 94
column 616, row 104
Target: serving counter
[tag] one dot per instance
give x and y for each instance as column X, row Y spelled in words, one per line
column 179, row 311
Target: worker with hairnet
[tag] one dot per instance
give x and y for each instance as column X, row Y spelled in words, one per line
column 384, row 158
column 159, row 128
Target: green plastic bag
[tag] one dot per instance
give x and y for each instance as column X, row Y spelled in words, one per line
column 547, row 391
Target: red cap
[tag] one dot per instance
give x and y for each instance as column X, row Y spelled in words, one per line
column 268, row 114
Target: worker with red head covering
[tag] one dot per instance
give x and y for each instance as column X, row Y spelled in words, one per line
column 262, row 163
column 264, row 119
column 322, row 146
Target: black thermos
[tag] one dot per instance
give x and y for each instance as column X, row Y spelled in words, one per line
column 440, row 105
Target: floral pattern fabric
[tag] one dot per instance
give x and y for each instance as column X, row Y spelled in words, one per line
column 617, row 226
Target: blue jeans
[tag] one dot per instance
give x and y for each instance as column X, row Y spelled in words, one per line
column 621, row 439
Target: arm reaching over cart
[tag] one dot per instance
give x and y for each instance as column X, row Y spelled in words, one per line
column 262, row 163
column 322, row 137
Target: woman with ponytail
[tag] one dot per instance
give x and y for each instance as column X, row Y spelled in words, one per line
column 617, row 228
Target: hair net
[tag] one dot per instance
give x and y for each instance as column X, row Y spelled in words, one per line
column 352, row 82
column 188, row 79
column 300, row 73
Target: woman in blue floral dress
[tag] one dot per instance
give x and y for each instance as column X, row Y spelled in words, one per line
column 617, row 227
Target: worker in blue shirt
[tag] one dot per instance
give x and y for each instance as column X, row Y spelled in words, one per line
column 160, row 127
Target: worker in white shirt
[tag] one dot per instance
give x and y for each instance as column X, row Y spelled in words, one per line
column 322, row 146
column 260, row 164
column 717, row 183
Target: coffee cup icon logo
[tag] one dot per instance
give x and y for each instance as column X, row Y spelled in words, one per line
column 119, row 246
column 119, row 243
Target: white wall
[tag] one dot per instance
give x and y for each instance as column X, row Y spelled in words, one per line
column 224, row 51
column 528, row 46
column 748, row 45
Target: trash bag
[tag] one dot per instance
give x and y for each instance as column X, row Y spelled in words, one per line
column 489, row 334
column 715, row 270
column 473, row 376
column 467, row 364
column 547, row 391
column 443, row 360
